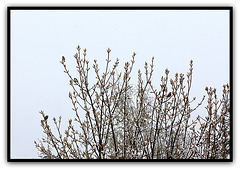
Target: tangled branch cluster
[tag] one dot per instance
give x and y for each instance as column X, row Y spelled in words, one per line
column 123, row 122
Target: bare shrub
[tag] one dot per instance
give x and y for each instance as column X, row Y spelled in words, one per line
column 126, row 122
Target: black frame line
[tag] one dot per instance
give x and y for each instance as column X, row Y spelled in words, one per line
column 10, row 8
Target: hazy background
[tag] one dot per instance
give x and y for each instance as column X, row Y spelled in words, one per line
column 40, row 38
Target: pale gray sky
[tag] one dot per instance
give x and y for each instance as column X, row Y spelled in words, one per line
column 40, row 38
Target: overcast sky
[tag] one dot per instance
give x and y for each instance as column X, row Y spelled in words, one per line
column 40, row 38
